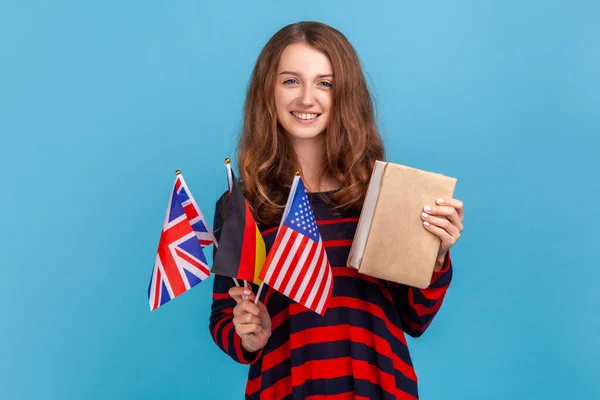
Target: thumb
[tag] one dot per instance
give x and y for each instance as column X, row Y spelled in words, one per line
column 239, row 293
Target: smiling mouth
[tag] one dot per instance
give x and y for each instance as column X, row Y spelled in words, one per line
column 305, row 116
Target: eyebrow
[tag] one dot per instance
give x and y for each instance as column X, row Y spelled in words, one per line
column 298, row 74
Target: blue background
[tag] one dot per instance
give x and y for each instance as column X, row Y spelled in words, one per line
column 101, row 101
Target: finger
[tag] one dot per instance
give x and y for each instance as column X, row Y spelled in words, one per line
column 447, row 240
column 262, row 307
column 247, row 329
column 238, row 293
column 445, row 211
column 443, row 223
column 246, row 306
column 454, row 203
column 246, row 319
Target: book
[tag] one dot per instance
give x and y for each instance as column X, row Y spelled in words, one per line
column 391, row 242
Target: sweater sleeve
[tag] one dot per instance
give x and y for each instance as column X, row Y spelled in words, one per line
column 417, row 307
column 221, row 315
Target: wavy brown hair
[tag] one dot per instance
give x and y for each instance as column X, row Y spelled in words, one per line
column 266, row 159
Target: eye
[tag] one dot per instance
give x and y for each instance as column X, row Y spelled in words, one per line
column 289, row 81
column 326, row 84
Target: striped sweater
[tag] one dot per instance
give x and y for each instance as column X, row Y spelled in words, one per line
column 357, row 350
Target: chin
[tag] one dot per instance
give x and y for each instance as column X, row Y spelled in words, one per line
column 303, row 134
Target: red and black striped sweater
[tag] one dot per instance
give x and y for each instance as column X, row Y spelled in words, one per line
column 357, row 350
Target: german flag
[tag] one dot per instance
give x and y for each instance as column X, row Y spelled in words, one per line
column 241, row 252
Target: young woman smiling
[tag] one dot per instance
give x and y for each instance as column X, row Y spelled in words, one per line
column 308, row 108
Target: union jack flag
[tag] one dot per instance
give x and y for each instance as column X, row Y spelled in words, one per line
column 197, row 220
column 180, row 263
column 297, row 264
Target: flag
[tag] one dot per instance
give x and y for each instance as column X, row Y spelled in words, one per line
column 192, row 211
column 180, row 263
column 297, row 264
column 241, row 252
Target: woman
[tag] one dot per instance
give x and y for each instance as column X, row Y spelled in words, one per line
column 308, row 108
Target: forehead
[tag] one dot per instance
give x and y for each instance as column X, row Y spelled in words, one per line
column 304, row 59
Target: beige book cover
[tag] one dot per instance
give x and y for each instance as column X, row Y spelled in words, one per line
column 390, row 241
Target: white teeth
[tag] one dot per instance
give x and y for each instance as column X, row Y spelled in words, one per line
column 305, row 116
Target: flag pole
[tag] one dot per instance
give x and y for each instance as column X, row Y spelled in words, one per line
column 284, row 215
column 258, row 293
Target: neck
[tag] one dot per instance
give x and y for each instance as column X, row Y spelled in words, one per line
column 310, row 154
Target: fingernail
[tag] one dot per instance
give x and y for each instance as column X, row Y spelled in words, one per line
column 426, row 223
column 246, row 291
column 425, row 215
column 427, row 208
column 440, row 201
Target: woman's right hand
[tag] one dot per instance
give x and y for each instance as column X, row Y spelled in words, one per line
column 252, row 322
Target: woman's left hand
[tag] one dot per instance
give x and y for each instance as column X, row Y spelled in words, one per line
column 445, row 220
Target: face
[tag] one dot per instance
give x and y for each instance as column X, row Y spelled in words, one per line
column 303, row 91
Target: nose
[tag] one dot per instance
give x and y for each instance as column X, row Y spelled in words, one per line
column 306, row 98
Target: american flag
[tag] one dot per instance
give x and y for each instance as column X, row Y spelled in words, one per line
column 180, row 263
column 297, row 264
